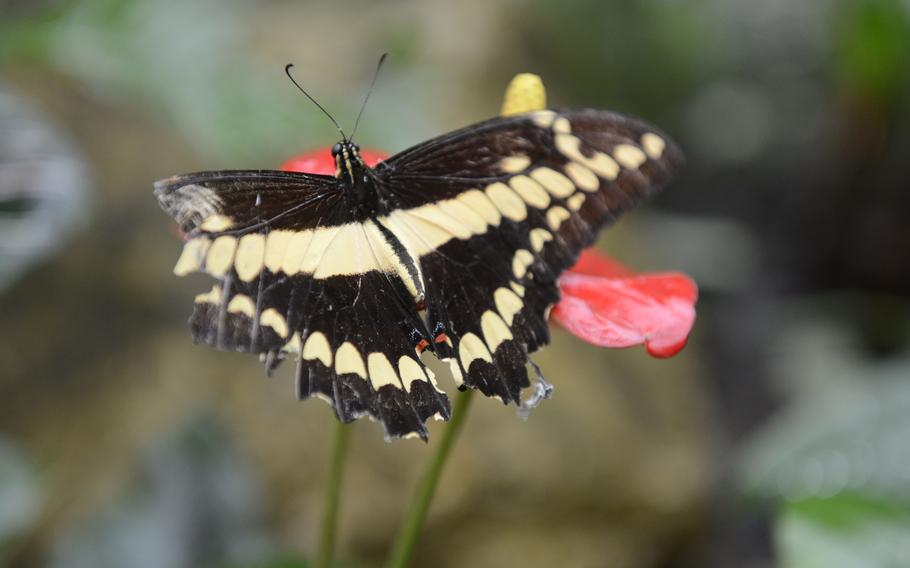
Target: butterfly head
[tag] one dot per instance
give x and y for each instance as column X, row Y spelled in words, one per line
column 349, row 166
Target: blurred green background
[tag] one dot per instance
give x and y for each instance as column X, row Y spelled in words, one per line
column 779, row 437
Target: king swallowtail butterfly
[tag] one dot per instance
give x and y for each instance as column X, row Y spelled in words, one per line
column 453, row 246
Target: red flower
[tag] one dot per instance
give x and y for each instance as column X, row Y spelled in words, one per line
column 607, row 305
column 603, row 302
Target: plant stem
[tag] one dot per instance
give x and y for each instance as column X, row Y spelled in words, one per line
column 410, row 530
column 341, row 436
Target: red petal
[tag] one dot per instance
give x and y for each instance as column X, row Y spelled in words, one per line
column 655, row 309
column 321, row 161
column 594, row 263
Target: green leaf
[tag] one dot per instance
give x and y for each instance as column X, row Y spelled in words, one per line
column 846, row 531
column 873, row 48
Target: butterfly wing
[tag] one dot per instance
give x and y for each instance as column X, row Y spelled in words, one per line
column 297, row 273
column 488, row 217
column 496, row 211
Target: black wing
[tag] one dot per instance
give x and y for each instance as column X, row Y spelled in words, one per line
column 232, row 200
column 496, row 211
column 296, row 273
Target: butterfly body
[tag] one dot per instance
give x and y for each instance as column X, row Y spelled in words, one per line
column 357, row 181
column 453, row 246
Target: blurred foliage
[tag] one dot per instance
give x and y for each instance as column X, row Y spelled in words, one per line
column 846, row 531
column 227, row 106
column 838, row 438
column 669, row 36
column 835, row 462
column 873, row 49
column 278, row 563
column 19, row 493
column 43, row 187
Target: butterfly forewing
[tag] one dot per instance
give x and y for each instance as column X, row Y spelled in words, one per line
column 474, row 227
column 496, row 211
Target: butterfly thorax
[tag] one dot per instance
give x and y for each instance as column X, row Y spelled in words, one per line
column 356, row 178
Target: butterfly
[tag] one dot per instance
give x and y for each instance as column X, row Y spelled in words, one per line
column 453, row 246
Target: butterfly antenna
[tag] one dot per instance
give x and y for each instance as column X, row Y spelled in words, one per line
column 369, row 92
column 287, row 70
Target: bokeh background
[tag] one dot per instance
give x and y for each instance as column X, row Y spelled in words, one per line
column 779, row 437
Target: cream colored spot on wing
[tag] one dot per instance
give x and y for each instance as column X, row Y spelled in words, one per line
column 653, row 144
column 221, row 255
column 556, row 215
column 439, row 219
column 543, row 118
column 346, row 250
column 293, row 344
column 514, row 164
column 471, row 348
column 408, row 229
column 192, row 256
column 518, row 288
column 583, row 177
column 554, row 182
column 242, row 304
column 562, row 126
column 275, row 320
column 339, row 251
column 481, row 204
column 631, row 157
column 413, row 281
column 382, row 254
column 276, row 246
column 495, row 331
column 470, row 218
column 507, row 303
column 348, row 360
column 418, row 235
column 317, row 348
column 576, row 201
column 216, row 223
column 250, row 256
column 410, row 371
column 318, row 250
column 455, row 370
column 507, row 201
column 381, row 371
column 600, row 163
column 530, row 191
column 213, row 296
column 520, row 263
column 296, row 250
column 539, row 237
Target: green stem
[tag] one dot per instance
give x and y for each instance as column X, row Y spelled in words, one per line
column 341, row 436
column 410, row 530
